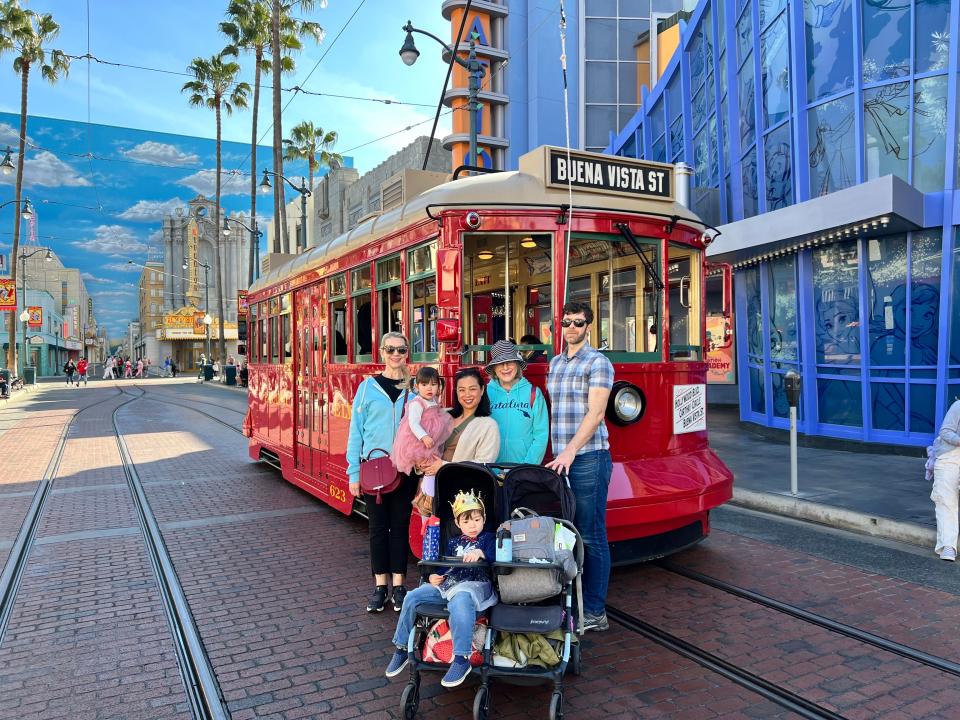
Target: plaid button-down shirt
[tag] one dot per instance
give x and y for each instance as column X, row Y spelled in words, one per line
column 569, row 384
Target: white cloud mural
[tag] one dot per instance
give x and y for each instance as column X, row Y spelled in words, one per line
column 113, row 240
column 45, row 169
column 204, row 182
column 161, row 154
column 151, row 210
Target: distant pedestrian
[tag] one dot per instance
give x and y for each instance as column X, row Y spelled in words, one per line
column 139, row 373
column 579, row 385
column 82, row 371
column 108, row 368
column 166, row 366
column 216, row 369
column 945, row 453
column 244, row 374
column 173, row 368
column 203, row 362
column 127, row 368
column 118, row 367
column 70, row 369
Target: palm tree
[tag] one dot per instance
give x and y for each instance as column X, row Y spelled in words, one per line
column 27, row 33
column 280, row 19
column 314, row 145
column 216, row 88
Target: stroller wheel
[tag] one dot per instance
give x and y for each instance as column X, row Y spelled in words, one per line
column 481, row 704
column 410, row 701
column 556, row 706
column 575, row 659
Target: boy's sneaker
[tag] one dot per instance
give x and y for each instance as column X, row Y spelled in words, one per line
column 459, row 669
column 398, row 662
column 378, row 600
column 597, row 623
column 399, row 593
column 948, row 554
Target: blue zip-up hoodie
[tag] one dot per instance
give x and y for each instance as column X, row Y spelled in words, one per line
column 373, row 424
column 524, row 431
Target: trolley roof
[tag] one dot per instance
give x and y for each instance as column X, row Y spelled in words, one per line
column 529, row 185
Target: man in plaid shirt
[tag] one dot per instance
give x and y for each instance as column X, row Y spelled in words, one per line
column 579, row 383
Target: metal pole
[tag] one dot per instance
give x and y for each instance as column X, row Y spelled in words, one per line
column 474, row 88
column 255, row 238
column 206, row 302
column 23, row 323
column 794, row 481
column 303, row 214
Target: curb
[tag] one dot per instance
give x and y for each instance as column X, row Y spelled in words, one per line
column 836, row 517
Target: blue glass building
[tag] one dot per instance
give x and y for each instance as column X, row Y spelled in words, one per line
column 824, row 141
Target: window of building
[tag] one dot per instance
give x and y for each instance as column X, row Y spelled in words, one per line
column 360, row 301
column 389, row 296
column 886, row 134
column 354, row 214
column 777, row 166
column 833, row 160
column 829, row 50
column 337, row 294
column 422, row 298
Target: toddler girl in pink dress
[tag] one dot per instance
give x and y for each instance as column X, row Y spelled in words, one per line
column 424, row 428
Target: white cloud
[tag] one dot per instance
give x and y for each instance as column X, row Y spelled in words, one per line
column 91, row 278
column 9, row 135
column 161, row 154
column 46, row 169
column 113, row 240
column 113, row 293
column 151, row 210
column 204, row 182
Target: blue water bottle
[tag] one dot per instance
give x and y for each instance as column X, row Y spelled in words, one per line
column 431, row 539
column 504, row 544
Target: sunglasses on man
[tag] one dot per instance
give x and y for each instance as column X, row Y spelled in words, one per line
column 578, row 323
column 394, row 349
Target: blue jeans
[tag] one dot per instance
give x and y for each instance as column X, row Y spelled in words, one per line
column 590, row 480
column 463, row 616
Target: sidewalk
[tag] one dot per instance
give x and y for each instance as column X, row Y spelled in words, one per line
column 875, row 494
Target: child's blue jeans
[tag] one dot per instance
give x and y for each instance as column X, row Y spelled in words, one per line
column 463, row 616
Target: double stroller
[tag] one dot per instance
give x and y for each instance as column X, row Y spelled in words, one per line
column 509, row 492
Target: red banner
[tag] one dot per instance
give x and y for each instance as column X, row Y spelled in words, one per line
column 8, row 295
column 36, row 316
column 242, row 302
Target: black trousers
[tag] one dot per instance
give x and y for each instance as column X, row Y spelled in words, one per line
column 390, row 527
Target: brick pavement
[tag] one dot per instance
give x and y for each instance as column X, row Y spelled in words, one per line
column 88, row 637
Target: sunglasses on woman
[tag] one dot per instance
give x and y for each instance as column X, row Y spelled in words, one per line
column 576, row 323
column 394, row 349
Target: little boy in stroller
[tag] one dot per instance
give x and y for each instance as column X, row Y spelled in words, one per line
column 466, row 591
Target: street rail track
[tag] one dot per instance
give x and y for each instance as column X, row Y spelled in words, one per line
column 20, row 551
column 854, row 633
column 158, row 398
column 203, row 690
column 771, row 691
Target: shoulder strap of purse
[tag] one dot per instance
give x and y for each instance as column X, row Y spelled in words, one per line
column 533, row 395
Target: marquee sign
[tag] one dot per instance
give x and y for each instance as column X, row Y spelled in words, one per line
column 608, row 174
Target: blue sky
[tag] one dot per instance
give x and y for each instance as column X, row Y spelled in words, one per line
column 157, row 152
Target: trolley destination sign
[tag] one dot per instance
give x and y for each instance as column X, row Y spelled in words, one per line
column 606, row 174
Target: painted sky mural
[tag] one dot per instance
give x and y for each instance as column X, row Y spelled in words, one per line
column 101, row 194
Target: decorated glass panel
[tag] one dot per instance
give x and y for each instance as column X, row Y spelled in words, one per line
column 744, row 37
column 836, row 303
column 769, row 9
column 886, row 40
column 748, row 168
column 887, row 288
column 776, row 74
column 955, row 305
column 779, row 175
column 929, row 133
column 932, row 35
column 833, row 160
column 829, row 48
column 925, row 270
column 748, row 117
column 886, row 124
column 784, row 324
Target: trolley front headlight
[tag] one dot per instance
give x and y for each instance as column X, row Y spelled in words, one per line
column 627, row 403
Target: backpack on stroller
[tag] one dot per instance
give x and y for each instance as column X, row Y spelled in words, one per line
column 451, row 479
column 546, row 501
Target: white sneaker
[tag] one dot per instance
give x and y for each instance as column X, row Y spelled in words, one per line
column 948, row 554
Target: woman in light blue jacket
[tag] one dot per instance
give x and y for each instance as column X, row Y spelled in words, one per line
column 377, row 410
column 517, row 407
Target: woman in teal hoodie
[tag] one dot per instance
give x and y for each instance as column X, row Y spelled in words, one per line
column 377, row 409
column 518, row 408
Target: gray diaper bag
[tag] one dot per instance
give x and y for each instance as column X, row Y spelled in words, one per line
column 534, row 542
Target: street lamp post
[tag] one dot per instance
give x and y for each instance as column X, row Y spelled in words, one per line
column 207, row 320
column 255, row 236
column 25, row 315
column 304, row 191
column 26, row 213
column 474, row 68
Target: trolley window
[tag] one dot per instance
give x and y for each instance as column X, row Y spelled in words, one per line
column 286, row 338
column 252, row 342
column 626, row 309
column 274, row 340
column 422, row 295
column 389, row 297
column 337, row 290
column 264, row 333
column 683, row 273
column 361, row 311
column 507, row 280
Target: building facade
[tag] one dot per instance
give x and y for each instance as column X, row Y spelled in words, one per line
column 824, row 142
column 342, row 197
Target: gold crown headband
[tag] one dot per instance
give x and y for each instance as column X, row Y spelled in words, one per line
column 464, row 502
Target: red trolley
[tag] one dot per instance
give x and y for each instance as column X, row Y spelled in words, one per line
column 490, row 256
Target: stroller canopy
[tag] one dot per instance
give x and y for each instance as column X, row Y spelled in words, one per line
column 540, row 489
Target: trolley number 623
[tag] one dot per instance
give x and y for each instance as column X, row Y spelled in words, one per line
column 337, row 493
